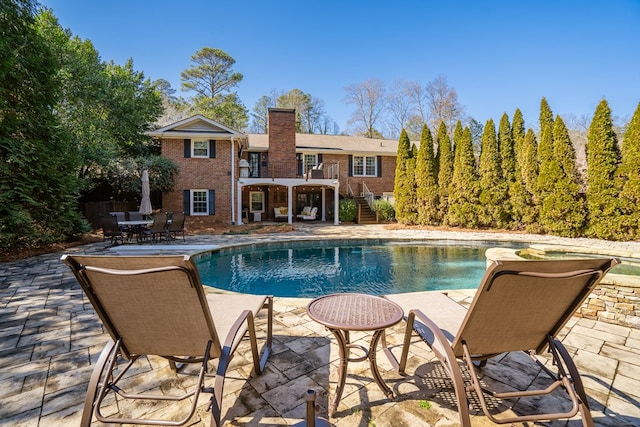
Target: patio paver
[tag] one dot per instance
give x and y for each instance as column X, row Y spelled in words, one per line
column 50, row 337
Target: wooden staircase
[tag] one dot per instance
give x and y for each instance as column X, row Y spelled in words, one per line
column 365, row 214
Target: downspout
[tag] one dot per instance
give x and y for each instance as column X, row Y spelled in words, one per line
column 233, row 181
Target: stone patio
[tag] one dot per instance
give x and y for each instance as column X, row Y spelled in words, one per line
column 50, row 337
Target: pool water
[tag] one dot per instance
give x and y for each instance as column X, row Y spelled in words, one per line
column 313, row 269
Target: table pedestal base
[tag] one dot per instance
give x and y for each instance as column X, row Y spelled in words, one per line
column 344, row 346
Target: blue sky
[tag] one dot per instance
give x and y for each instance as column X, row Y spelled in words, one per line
column 498, row 55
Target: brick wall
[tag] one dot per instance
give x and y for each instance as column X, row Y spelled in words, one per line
column 200, row 173
column 282, row 135
column 377, row 185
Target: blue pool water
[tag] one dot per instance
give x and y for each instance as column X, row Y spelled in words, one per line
column 313, row 269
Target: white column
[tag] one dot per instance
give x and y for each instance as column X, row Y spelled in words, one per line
column 290, row 204
column 239, row 222
column 324, row 205
column 336, row 206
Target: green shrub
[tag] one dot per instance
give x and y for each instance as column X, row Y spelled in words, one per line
column 347, row 210
column 385, row 210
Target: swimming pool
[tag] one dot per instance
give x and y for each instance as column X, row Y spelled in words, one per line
column 311, row 269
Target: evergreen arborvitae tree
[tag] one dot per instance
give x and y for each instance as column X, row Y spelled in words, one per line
column 630, row 175
column 507, row 152
column 517, row 134
column 562, row 210
column 463, row 189
column 508, row 163
column 403, row 190
column 427, row 197
column 493, row 188
column 525, row 209
column 444, row 161
column 545, row 153
column 603, row 157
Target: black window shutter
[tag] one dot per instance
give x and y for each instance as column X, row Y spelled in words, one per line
column 187, row 148
column 212, row 148
column 186, row 202
column 350, row 165
column 379, row 160
column 299, row 161
column 319, row 158
column 212, row 202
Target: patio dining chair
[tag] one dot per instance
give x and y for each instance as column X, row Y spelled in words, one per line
column 519, row 306
column 157, row 231
column 157, row 306
column 176, row 226
column 111, row 229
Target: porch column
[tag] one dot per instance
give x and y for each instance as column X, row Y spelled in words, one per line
column 239, row 210
column 336, row 204
column 290, row 204
column 324, row 207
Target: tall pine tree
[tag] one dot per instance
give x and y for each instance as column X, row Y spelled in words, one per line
column 427, row 197
column 463, row 189
column 603, row 157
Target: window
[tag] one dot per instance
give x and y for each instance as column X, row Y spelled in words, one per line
column 364, row 166
column 200, row 149
column 310, row 160
column 254, row 165
column 257, row 201
column 199, row 202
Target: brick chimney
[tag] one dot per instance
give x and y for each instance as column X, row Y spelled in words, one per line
column 282, row 136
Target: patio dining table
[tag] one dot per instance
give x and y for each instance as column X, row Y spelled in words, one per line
column 136, row 226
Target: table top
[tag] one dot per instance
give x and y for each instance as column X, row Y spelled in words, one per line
column 355, row 312
column 136, row 222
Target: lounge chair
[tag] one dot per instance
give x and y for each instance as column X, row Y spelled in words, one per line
column 519, row 305
column 156, row 305
column 311, row 216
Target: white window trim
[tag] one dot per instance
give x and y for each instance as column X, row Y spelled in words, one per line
column 191, row 201
column 251, row 193
column 364, row 165
column 193, row 148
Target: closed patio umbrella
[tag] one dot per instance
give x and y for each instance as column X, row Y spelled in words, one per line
column 145, row 204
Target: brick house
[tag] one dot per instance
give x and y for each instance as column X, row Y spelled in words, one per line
column 225, row 176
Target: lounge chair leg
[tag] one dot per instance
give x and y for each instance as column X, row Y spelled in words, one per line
column 585, row 411
column 92, row 391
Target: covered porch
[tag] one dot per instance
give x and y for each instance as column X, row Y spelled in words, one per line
column 258, row 197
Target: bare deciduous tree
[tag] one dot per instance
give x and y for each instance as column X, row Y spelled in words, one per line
column 369, row 99
column 443, row 103
column 400, row 106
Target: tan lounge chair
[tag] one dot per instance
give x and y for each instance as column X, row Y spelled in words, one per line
column 519, row 305
column 156, row 305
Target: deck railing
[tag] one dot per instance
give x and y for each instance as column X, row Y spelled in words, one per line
column 296, row 169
